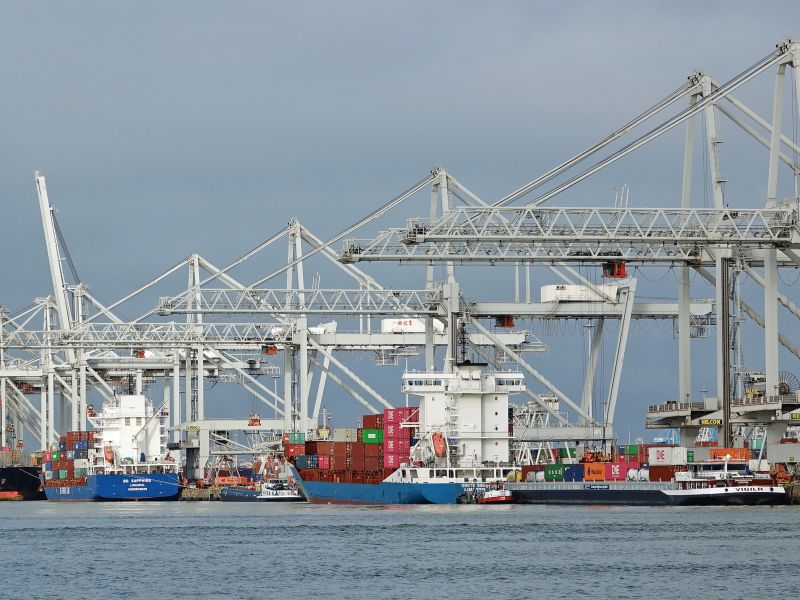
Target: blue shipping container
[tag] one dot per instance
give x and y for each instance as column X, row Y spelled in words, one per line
column 573, row 473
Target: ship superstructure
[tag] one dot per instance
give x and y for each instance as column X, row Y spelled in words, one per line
column 463, row 415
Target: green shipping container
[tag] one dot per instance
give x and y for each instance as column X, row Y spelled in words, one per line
column 554, row 472
column 62, row 474
column 372, row 436
column 631, row 449
column 297, row 438
column 81, row 472
column 566, row 452
column 690, row 456
column 56, row 456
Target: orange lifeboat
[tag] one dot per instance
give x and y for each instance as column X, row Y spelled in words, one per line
column 439, row 444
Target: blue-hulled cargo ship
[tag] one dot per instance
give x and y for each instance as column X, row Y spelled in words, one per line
column 124, row 458
column 117, row 486
column 388, row 491
column 449, row 450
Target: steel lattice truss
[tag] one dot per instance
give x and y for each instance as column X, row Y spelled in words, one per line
column 309, row 301
column 165, row 335
column 558, row 234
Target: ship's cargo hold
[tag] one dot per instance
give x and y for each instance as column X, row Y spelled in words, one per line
column 578, row 293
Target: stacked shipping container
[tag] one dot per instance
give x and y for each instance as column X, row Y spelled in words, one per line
column 67, row 463
column 356, row 455
column 396, row 437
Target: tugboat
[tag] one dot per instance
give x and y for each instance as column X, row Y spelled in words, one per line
column 275, row 490
column 498, row 496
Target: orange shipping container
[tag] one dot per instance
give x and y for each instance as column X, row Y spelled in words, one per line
column 737, row 454
column 594, row 472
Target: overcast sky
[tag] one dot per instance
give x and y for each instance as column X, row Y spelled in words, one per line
column 171, row 128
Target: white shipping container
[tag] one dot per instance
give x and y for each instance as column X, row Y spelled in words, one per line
column 577, row 293
column 409, row 326
column 81, row 463
column 341, row 434
column 759, row 465
column 667, row 456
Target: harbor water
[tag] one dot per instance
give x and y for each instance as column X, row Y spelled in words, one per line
column 214, row 550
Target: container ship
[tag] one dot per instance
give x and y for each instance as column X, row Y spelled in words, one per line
column 455, row 447
column 20, row 476
column 449, row 449
column 651, row 475
column 124, row 458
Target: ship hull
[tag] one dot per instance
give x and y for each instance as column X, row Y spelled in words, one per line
column 244, row 495
column 21, row 483
column 152, row 486
column 327, row 492
column 645, row 494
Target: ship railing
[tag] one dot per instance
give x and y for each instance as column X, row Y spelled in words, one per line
column 675, row 406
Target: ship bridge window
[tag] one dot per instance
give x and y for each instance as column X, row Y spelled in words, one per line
column 127, row 420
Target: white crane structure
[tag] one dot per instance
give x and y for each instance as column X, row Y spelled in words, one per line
column 220, row 329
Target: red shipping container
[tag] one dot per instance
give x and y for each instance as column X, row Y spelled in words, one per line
column 399, row 415
column 390, row 446
column 373, row 463
column 339, row 462
column 373, row 421
column 357, row 448
column 662, row 473
column 341, row 447
column 357, row 463
column 324, row 448
column 616, row 471
column 324, row 461
column 391, row 461
column 373, row 450
column 294, row 449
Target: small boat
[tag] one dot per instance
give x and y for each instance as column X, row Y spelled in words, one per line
column 495, row 497
column 272, row 491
